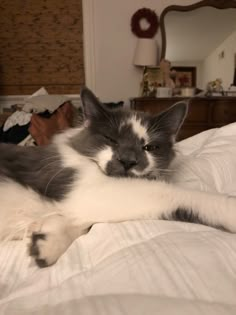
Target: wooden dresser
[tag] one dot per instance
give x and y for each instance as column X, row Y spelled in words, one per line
column 204, row 112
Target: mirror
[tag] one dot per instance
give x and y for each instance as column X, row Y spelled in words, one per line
column 201, row 36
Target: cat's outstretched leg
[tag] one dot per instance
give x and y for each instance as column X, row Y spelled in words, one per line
column 50, row 239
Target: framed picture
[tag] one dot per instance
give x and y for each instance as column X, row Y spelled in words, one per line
column 152, row 78
column 184, row 76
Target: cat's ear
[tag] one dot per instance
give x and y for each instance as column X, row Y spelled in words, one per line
column 90, row 104
column 172, row 119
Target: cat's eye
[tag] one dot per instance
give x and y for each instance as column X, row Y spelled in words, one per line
column 113, row 141
column 150, row 147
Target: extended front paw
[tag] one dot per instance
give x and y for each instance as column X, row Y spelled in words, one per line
column 47, row 248
column 49, row 240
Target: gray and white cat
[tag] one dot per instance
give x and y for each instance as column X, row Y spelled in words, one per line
column 108, row 169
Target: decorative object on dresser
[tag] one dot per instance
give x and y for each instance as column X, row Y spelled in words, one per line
column 185, row 76
column 204, row 112
column 152, row 78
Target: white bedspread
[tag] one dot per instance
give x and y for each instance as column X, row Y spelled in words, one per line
column 140, row 267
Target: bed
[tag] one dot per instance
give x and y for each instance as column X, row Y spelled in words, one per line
column 139, row 267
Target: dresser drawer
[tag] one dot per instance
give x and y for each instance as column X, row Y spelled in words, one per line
column 152, row 106
column 204, row 112
column 198, row 112
column 188, row 130
column 224, row 113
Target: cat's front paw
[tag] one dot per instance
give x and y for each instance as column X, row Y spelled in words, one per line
column 46, row 248
column 49, row 240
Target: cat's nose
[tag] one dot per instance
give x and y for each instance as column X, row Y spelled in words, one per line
column 128, row 163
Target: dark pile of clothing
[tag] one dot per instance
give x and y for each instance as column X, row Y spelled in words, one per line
column 35, row 124
column 40, row 118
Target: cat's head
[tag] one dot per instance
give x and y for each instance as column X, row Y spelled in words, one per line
column 128, row 143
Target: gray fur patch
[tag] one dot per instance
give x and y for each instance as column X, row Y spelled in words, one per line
column 39, row 168
column 183, row 215
column 188, row 215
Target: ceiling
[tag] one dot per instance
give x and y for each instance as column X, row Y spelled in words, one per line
column 193, row 35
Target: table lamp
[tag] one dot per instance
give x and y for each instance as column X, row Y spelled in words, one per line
column 146, row 54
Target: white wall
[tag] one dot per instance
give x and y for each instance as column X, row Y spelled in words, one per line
column 215, row 67
column 110, row 44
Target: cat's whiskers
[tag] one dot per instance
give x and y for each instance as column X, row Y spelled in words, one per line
column 51, row 179
column 166, row 170
column 188, row 167
column 47, row 165
column 52, row 157
column 184, row 164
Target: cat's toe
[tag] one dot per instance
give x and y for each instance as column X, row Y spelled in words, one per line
column 35, row 250
column 42, row 263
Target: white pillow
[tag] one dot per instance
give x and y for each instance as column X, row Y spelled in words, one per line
column 207, row 161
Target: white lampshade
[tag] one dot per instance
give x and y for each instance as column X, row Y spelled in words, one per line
column 146, row 52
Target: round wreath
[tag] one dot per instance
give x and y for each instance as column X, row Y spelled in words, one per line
column 151, row 18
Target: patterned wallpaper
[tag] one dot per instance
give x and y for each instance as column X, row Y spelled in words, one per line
column 41, row 44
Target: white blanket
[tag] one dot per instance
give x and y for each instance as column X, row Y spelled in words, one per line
column 140, row 267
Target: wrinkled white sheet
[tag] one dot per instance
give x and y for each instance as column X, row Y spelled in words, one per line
column 140, row 267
